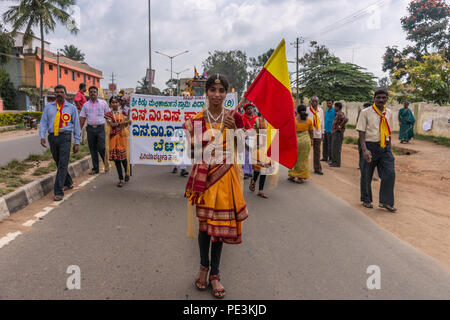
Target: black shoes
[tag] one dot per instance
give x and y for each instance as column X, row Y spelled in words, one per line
column 184, row 173
column 175, row 170
column 324, row 160
column 320, row 173
column 334, row 165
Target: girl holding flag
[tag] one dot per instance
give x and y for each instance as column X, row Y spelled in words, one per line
column 214, row 188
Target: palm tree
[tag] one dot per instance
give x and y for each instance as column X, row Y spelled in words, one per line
column 43, row 14
column 73, row 53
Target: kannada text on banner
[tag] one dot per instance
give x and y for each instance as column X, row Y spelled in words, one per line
column 156, row 133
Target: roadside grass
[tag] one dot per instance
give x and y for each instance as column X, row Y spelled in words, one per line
column 13, row 174
column 350, row 140
column 19, row 126
column 438, row 140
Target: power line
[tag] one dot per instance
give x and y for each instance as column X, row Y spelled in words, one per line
column 346, row 20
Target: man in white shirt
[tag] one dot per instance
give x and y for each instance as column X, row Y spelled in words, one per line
column 374, row 126
column 315, row 113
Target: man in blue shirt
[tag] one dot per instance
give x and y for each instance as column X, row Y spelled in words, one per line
column 330, row 114
column 60, row 120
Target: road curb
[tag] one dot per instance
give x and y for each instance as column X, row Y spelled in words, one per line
column 22, row 197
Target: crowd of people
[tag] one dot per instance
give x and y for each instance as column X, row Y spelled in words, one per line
column 106, row 131
column 215, row 189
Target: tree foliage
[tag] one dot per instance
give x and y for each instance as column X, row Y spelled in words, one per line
column 232, row 64
column 315, row 55
column 255, row 65
column 429, row 80
column 325, row 76
column 73, row 53
column 7, row 91
column 428, row 27
column 6, row 45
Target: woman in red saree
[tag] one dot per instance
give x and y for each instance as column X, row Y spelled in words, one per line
column 214, row 188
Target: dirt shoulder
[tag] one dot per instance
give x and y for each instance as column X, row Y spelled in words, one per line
column 422, row 194
column 14, row 134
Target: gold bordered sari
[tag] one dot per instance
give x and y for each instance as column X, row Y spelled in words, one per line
column 116, row 142
column 216, row 192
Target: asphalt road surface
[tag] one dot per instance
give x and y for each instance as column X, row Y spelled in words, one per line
column 19, row 148
column 131, row 243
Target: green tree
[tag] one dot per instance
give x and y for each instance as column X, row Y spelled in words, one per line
column 428, row 27
column 73, row 53
column 43, row 14
column 255, row 65
column 6, row 45
column 232, row 64
column 315, row 55
column 143, row 88
column 332, row 79
column 429, row 80
column 7, row 91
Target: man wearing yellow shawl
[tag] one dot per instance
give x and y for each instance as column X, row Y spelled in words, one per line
column 214, row 188
column 374, row 126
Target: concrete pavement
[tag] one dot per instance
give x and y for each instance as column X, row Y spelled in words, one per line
column 130, row 243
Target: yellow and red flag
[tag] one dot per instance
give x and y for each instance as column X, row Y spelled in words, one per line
column 271, row 93
column 195, row 71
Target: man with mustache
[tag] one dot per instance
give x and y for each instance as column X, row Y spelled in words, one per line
column 60, row 120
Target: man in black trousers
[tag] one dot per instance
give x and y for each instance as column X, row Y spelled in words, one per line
column 60, row 120
column 374, row 126
column 338, row 130
column 94, row 113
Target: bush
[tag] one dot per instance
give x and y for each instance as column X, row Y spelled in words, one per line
column 10, row 119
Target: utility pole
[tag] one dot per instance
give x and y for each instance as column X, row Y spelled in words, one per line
column 113, row 78
column 297, row 44
column 57, row 68
column 150, row 45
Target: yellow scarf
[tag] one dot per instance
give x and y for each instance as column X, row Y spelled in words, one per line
column 316, row 118
column 57, row 124
column 385, row 130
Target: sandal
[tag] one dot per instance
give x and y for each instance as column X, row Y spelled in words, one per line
column 218, row 293
column 252, row 185
column 262, row 195
column 367, row 205
column 93, row 172
column 299, row 181
column 127, row 178
column 292, row 179
column 388, row 208
column 199, row 284
column 120, row 184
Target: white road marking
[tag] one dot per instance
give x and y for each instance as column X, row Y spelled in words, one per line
column 12, row 236
column 8, row 238
column 44, row 212
column 85, row 183
column 29, row 223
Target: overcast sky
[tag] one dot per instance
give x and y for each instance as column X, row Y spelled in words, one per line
column 114, row 33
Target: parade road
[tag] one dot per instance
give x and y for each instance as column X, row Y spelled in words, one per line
column 131, row 243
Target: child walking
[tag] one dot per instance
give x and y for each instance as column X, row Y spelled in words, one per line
column 117, row 139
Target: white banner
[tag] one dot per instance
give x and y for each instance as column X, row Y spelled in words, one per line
column 156, row 132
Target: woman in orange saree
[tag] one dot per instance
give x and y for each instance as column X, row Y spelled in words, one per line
column 214, row 188
column 117, row 139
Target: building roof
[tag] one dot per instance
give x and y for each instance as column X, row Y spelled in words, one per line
column 70, row 64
